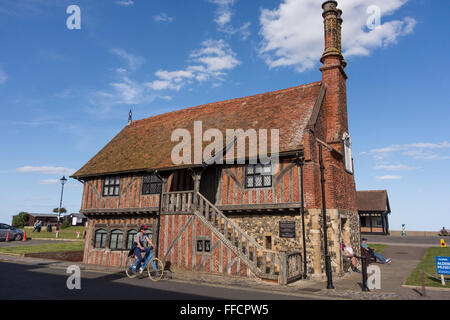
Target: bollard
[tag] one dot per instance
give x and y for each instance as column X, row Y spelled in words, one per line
column 364, row 273
column 422, row 282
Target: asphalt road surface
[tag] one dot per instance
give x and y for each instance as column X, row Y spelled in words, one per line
column 40, row 281
column 408, row 240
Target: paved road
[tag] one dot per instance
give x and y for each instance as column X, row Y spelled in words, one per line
column 40, row 281
column 408, row 240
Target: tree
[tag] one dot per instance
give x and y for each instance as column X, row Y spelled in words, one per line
column 63, row 210
column 20, row 220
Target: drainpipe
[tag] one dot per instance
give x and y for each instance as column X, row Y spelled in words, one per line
column 325, row 236
column 158, row 220
column 300, row 162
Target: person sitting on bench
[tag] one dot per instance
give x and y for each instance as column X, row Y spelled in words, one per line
column 443, row 232
column 348, row 254
column 365, row 246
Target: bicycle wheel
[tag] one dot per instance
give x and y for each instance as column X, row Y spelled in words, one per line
column 130, row 262
column 155, row 269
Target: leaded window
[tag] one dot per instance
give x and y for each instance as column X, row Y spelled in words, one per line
column 149, row 234
column 116, row 239
column 130, row 238
column 111, row 186
column 258, row 175
column 100, row 238
column 151, row 184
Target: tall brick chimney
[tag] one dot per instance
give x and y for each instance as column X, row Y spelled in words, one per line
column 334, row 76
column 340, row 183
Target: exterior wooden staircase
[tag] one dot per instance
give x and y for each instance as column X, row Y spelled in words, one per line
column 283, row 267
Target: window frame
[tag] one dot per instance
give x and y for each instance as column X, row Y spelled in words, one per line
column 104, row 234
column 254, row 174
column 150, row 183
column 133, row 232
column 117, row 243
column 149, row 234
column 109, row 185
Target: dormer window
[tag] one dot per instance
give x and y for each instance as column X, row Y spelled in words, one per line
column 258, row 175
column 111, row 185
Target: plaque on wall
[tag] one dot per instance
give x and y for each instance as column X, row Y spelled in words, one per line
column 287, row 229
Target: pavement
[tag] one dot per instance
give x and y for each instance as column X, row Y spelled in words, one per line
column 417, row 241
column 405, row 257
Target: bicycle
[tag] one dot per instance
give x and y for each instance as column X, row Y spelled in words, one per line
column 155, row 267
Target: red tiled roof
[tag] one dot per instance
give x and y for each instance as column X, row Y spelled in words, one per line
column 146, row 144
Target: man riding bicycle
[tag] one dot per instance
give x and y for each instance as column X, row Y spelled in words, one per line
column 138, row 246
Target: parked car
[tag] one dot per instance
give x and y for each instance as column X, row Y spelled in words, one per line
column 14, row 233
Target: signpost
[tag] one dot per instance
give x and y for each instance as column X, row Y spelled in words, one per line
column 443, row 267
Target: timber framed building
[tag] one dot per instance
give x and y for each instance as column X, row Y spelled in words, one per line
column 237, row 219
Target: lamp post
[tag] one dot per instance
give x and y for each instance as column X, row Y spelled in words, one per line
column 158, row 221
column 63, row 181
column 324, row 212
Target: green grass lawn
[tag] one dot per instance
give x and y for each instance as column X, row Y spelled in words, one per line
column 51, row 247
column 428, row 265
column 67, row 233
column 378, row 247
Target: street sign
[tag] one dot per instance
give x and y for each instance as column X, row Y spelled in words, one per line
column 443, row 265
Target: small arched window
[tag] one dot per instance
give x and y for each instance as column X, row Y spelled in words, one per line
column 130, row 238
column 116, row 239
column 100, row 238
column 149, row 234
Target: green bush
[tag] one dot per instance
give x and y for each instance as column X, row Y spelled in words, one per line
column 20, row 220
column 65, row 225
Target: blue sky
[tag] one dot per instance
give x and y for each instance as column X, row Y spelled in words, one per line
column 66, row 93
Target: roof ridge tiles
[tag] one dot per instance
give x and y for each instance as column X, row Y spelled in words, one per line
column 210, row 104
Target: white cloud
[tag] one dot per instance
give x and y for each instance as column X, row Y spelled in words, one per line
column 212, row 61
column 293, row 33
column 395, row 167
column 3, row 76
column 46, row 170
column 125, row 91
column 223, row 12
column 223, row 16
column 134, row 62
column 125, row 3
column 163, row 17
column 389, row 177
column 49, row 181
column 418, row 151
